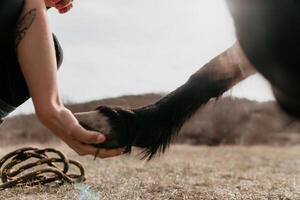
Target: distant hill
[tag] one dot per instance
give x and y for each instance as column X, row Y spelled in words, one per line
column 225, row 120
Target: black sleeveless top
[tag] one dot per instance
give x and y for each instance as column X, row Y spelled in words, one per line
column 13, row 90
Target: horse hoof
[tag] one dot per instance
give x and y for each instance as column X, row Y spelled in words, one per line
column 108, row 121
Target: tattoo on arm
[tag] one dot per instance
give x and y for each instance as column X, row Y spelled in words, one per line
column 23, row 26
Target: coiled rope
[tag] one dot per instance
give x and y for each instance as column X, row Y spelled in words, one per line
column 33, row 173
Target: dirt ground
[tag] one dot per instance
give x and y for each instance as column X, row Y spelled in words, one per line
column 185, row 172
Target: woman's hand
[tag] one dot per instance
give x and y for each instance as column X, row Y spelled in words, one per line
column 65, row 126
column 62, row 6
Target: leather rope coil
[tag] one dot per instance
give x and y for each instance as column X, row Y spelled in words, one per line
column 33, row 172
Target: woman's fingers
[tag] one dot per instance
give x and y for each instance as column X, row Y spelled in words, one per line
column 82, row 149
column 85, row 149
column 84, row 136
column 52, row 3
column 106, row 153
column 65, row 9
column 63, row 4
column 55, row 1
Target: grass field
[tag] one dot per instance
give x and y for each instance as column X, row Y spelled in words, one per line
column 185, row 172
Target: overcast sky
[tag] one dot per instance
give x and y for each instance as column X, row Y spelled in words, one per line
column 117, row 47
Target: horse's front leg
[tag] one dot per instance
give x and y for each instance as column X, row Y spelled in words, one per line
column 152, row 127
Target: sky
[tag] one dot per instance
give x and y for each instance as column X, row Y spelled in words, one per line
column 120, row 47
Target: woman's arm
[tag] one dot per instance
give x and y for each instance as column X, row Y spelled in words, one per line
column 36, row 55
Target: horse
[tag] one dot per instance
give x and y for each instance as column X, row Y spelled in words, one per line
column 268, row 42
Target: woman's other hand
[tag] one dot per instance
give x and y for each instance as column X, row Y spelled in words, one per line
column 63, row 6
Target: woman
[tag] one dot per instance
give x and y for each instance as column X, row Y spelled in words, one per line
column 29, row 64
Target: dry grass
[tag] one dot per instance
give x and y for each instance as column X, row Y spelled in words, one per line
column 185, row 172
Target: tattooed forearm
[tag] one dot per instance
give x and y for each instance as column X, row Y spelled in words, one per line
column 23, row 26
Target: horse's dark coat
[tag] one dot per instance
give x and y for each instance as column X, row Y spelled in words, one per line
column 269, row 33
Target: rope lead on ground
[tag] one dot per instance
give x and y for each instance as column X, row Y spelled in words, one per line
column 32, row 172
